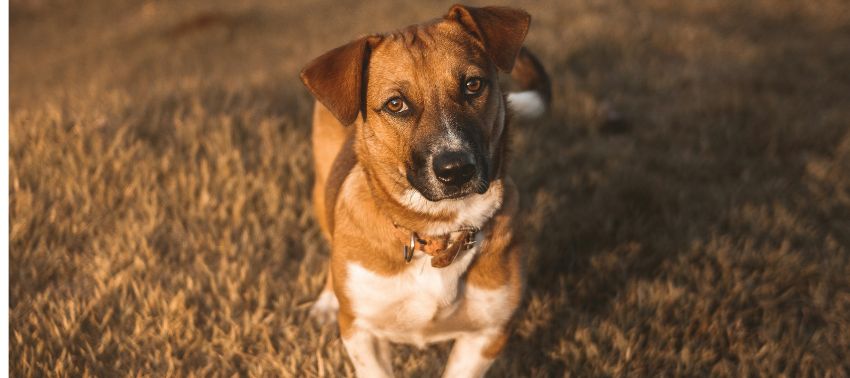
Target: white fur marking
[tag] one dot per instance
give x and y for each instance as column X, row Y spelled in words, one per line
column 453, row 140
column 413, row 306
column 325, row 307
column 473, row 210
column 493, row 314
column 467, row 359
column 367, row 356
column 415, row 298
column 527, row 104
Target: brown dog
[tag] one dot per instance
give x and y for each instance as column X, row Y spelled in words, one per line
column 409, row 138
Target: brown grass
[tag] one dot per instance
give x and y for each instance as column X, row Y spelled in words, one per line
column 160, row 172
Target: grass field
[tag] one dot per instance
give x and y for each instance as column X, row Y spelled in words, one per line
column 686, row 202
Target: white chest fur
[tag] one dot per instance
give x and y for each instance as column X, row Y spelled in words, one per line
column 423, row 304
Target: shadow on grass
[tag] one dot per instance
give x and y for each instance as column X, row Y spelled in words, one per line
column 605, row 212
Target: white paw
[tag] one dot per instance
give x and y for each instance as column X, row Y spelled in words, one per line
column 325, row 308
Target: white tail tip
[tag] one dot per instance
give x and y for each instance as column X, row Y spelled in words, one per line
column 526, row 104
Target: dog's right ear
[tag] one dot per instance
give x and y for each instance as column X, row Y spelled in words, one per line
column 337, row 78
column 500, row 29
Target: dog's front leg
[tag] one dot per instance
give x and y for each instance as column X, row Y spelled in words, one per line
column 473, row 353
column 371, row 356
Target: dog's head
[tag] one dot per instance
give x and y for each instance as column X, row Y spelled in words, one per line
column 428, row 96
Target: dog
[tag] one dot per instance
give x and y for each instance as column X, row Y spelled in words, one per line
column 410, row 137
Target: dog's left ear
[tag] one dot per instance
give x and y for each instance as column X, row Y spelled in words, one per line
column 500, row 29
column 337, row 78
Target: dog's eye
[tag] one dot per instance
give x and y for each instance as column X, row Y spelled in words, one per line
column 396, row 105
column 473, row 86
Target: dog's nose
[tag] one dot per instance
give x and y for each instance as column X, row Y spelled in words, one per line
column 454, row 167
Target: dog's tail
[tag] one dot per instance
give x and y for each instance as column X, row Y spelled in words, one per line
column 533, row 88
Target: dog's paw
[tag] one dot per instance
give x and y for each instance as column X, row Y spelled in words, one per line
column 325, row 308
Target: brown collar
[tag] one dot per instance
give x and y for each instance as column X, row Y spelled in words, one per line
column 442, row 249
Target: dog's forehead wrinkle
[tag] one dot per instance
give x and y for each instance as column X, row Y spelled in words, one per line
column 426, row 74
column 420, row 38
column 421, row 41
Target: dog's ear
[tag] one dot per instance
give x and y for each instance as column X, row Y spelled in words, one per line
column 337, row 78
column 500, row 29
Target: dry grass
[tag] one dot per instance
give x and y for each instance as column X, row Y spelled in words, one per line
column 161, row 222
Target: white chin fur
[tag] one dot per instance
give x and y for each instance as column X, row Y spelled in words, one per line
column 472, row 211
column 527, row 104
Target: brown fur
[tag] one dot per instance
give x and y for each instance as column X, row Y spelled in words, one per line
column 328, row 138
